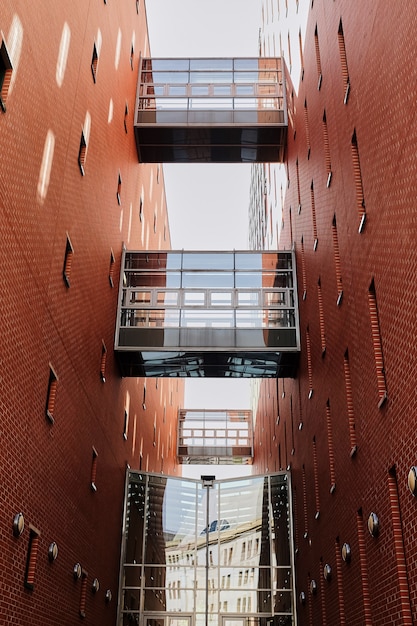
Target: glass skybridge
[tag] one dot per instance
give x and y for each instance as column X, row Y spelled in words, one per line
column 211, row 110
column 208, row 314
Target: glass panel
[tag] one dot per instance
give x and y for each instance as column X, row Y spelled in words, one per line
column 251, row 261
column 167, row 298
column 247, row 298
column 194, row 298
column 208, row 260
column 222, row 90
column 221, row 298
column 276, row 298
column 140, row 297
column 211, row 64
column 169, row 64
column 169, row 77
column 207, row 318
column 246, row 64
column 208, row 280
column 211, row 77
column 174, row 90
column 251, row 279
column 200, row 90
column 245, row 90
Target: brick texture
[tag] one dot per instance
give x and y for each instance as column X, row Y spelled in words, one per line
column 46, row 468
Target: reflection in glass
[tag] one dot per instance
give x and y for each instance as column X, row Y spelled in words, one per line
column 248, row 524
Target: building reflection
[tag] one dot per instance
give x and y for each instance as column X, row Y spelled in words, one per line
column 174, row 541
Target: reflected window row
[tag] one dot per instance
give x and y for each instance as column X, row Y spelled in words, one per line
column 208, row 279
column 201, row 298
column 214, row 103
column 158, row 89
column 221, row 260
column 207, row 318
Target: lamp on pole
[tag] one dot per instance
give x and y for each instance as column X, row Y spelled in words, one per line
column 208, row 482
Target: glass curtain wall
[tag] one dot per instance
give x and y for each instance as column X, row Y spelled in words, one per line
column 205, row 555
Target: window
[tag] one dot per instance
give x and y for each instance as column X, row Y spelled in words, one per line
column 137, row 7
column 318, row 60
column 300, row 41
column 125, row 424
column 83, row 596
column 141, row 207
column 126, row 116
column 32, row 555
column 82, row 152
column 343, row 61
column 103, row 362
column 119, row 189
column 313, row 216
column 94, row 62
column 5, row 74
column 66, row 271
column 377, row 342
column 94, row 470
column 51, row 395
column 337, row 263
column 327, row 149
column 360, row 198
column 111, row 268
column 144, row 398
column 321, row 318
column 132, row 56
column 307, row 129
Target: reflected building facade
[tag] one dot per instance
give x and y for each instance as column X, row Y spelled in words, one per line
column 195, row 555
column 223, row 314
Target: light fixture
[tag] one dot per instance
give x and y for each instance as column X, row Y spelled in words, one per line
column 96, row 585
column 346, row 553
column 373, row 524
column 108, row 595
column 52, row 551
column 18, row 524
column 412, row 480
column 77, row 571
column 313, row 588
column 302, row 598
column 327, row 572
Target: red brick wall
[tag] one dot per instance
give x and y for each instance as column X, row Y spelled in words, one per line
column 381, row 108
column 46, row 468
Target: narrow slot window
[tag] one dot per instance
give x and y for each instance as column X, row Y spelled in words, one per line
column 132, row 56
column 141, row 208
column 297, row 171
column 137, row 7
column 119, row 189
column 6, row 70
column 313, row 216
column 300, row 42
column 326, row 145
column 321, row 318
column 126, row 117
column 377, row 343
column 349, row 404
column 144, row 398
column 66, row 271
column 32, row 556
column 111, row 269
column 82, row 153
column 155, row 221
column 331, row 448
column 103, row 362
column 343, row 62
column 304, row 483
column 51, row 395
column 318, row 59
column 363, row 564
column 316, row 479
column 307, row 129
column 125, row 424
column 337, row 263
column 94, row 62
column 83, row 595
column 303, row 269
column 309, row 364
column 93, row 475
column 357, row 173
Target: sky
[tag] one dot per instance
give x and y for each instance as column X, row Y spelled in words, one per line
column 207, row 204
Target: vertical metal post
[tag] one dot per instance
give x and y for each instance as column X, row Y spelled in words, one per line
column 208, row 484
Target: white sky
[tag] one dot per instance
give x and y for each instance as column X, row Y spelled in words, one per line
column 207, row 204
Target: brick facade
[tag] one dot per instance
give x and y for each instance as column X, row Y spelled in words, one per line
column 47, row 207
column 314, row 422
